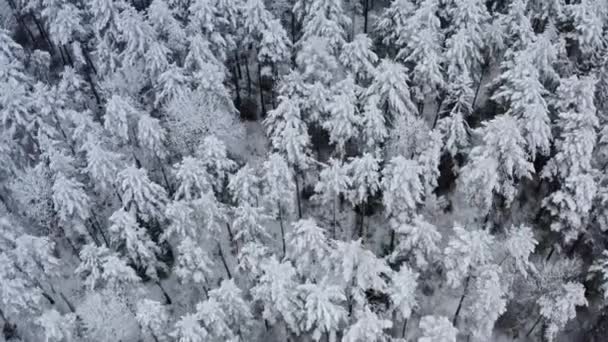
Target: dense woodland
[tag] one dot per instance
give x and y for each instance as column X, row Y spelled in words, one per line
column 303, row 170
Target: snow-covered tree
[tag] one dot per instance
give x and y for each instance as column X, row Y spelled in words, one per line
column 322, row 310
column 437, row 329
column 333, row 183
column 139, row 194
column 403, row 291
column 486, row 302
column 57, row 327
column 390, row 84
column 277, row 291
column 368, row 327
column 559, row 307
column 326, row 19
column 373, row 124
column 495, row 165
column 193, row 262
column 152, row 316
column 344, row 119
column 359, row 58
column 466, row 252
column 308, row 248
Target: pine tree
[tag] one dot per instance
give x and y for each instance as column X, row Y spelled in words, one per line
column 437, row 329
column 344, row 119
column 333, row 183
column 153, row 316
column 276, row 290
column 373, row 126
column 571, row 165
column 71, row 203
column 359, row 58
column 194, row 181
column 520, row 244
column 235, row 307
column 467, row 251
column 486, row 302
column 524, row 93
column 322, row 312
column 559, row 306
column 390, row 85
column 308, row 248
column 139, row 194
column 326, row 19
column 368, row 327
column 418, row 240
column 57, row 327
column 403, row 292
column 136, row 243
column 193, row 263
column 100, row 266
column 495, row 165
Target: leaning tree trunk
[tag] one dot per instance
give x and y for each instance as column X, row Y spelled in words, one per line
column 464, row 294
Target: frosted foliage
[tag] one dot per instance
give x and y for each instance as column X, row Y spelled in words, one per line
column 487, row 302
column 344, row 117
column 249, row 223
column 308, row 247
column 214, row 155
column 364, row 173
column 274, row 46
column 589, row 18
column 367, row 327
column 523, row 90
column 360, row 268
column 495, row 164
column 16, row 294
column 279, row 187
column 136, row 242
column 35, row 255
column 235, row 307
column 559, row 306
column 70, row 200
column 359, row 57
column 193, row 179
column 151, row 135
column 401, row 186
column 193, row 262
column 181, row 217
column 520, row 245
column 326, row 19
column 467, row 251
column 288, row 133
column 322, row 309
column 139, row 193
column 106, row 318
column 333, row 182
column 316, row 61
column 419, row 239
column 244, row 186
column 152, row 315
column 437, row 329
column 189, row 329
column 403, row 291
column 390, row 85
column 373, row 123
column 57, row 327
column 276, row 291
column 118, row 112
column 102, row 165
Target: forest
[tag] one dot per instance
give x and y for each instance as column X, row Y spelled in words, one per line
column 303, row 170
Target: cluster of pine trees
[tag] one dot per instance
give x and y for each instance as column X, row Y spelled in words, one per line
column 429, row 170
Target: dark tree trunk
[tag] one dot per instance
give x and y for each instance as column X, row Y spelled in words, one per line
column 248, row 76
column 365, row 14
column 224, row 261
column 261, row 90
column 298, row 195
column 534, row 326
column 282, row 228
column 168, row 300
column 237, row 88
column 464, row 294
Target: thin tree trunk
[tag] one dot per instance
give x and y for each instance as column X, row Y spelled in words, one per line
column 20, row 20
column 404, row 329
column 67, row 302
column 392, row 243
column 168, row 300
column 550, row 253
column 282, row 228
column 237, row 88
column 361, row 222
column 261, row 90
column 224, row 261
column 365, row 14
column 534, row 326
column 439, row 103
column 238, row 65
column 298, row 196
column 334, row 222
column 248, row 76
column 464, row 294
column 68, row 56
column 95, row 93
column 85, row 52
column 43, row 33
column 2, row 316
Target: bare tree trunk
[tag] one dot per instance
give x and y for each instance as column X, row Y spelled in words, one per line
column 248, row 76
column 282, row 228
column 261, row 90
column 464, row 294
column 237, row 88
column 168, row 300
column 365, row 14
column 298, row 195
column 534, row 326
column 224, row 261
column 43, row 33
column 404, row 329
column 67, row 302
column 238, row 65
column 94, row 90
column 20, row 20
